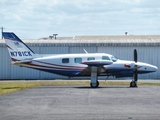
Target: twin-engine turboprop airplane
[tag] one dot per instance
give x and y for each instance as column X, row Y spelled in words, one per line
column 93, row 65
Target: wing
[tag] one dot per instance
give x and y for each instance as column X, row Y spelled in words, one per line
column 97, row 63
column 101, row 70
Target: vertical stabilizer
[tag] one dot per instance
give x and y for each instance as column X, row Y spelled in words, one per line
column 17, row 49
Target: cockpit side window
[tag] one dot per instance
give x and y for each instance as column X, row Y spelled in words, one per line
column 114, row 59
column 105, row 58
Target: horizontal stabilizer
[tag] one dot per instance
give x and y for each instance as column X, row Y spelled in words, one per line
column 21, row 62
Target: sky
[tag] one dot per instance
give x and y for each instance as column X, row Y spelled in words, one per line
column 33, row 19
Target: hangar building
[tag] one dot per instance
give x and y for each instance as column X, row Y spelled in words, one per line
column 148, row 47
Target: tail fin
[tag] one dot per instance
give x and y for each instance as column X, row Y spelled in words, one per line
column 17, row 49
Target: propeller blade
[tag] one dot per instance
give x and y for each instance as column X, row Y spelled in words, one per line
column 135, row 55
column 136, row 66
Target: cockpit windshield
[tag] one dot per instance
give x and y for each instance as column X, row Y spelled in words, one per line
column 114, row 59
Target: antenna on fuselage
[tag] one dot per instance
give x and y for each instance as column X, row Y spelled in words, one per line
column 85, row 51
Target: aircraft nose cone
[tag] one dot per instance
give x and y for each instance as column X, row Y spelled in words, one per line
column 152, row 68
column 155, row 68
column 148, row 67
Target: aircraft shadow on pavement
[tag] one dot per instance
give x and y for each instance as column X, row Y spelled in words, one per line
column 102, row 87
column 81, row 87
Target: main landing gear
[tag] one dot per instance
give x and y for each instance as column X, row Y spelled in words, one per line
column 94, row 82
column 94, row 85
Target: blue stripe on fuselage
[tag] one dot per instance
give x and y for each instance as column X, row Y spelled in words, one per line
column 121, row 72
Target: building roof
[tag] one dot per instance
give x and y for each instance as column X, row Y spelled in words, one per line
column 141, row 40
column 118, row 37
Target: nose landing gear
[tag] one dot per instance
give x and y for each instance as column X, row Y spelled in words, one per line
column 133, row 84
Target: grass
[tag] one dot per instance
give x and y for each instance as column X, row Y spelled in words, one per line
column 7, row 87
column 12, row 86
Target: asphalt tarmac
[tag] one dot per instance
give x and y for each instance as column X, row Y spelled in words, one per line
column 80, row 102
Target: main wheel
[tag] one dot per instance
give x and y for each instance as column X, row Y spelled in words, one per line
column 94, row 85
column 133, row 84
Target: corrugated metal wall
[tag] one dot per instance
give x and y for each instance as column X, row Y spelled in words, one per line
column 5, row 64
column 147, row 54
column 81, row 49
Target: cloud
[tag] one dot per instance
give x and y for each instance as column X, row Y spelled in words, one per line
column 69, row 18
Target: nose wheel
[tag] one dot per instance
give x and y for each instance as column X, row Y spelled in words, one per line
column 135, row 79
column 133, row 84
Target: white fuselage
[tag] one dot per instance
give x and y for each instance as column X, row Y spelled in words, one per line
column 72, row 65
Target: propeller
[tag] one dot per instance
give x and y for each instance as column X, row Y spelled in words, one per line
column 135, row 55
column 135, row 66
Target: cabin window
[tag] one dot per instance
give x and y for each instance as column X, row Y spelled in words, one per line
column 91, row 58
column 78, row 60
column 65, row 60
column 105, row 58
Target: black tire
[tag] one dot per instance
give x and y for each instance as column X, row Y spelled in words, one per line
column 133, row 84
column 94, row 85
